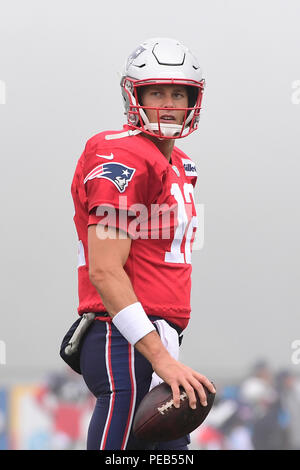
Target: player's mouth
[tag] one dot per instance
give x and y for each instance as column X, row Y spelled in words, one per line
column 167, row 118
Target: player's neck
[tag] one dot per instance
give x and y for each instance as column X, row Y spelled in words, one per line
column 165, row 146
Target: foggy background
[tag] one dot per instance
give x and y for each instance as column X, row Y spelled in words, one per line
column 59, row 61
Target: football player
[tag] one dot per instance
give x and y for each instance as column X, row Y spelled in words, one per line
column 135, row 218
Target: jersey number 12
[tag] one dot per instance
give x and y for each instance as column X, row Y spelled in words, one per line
column 184, row 225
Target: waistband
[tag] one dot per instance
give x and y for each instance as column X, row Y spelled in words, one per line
column 151, row 317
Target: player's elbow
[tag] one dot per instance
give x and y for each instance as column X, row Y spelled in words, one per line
column 96, row 276
column 100, row 276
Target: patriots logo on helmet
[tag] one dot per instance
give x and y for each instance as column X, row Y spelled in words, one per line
column 117, row 173
column 134, row 55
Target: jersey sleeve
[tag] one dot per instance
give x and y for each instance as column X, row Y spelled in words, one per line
column 118, row 219
column 124, row 181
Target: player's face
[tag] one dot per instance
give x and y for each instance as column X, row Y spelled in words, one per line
column 165, row 96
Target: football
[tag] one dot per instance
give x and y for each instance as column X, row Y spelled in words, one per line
column 157, row 419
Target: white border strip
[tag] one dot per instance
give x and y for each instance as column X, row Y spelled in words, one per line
column 134, row 396
column 110, row 383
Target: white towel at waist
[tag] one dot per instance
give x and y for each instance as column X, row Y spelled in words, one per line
column 169, row 338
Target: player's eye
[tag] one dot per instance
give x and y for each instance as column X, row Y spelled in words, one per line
column 156, row 93
column 179, row 94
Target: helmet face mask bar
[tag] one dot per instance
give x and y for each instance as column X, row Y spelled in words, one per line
column 162, row 61
column 137, row 112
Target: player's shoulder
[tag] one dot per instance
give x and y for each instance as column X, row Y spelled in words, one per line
column 187, row 163
column 125, row 147
column 107, row 138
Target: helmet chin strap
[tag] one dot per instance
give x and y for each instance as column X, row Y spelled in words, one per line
column 167, row 130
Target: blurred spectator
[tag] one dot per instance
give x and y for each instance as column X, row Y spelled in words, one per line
column 258, row 386
column 262, row 412
column 288, row 389
column 67, row 400
column 258, row 391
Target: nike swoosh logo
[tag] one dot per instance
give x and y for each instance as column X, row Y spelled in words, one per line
column 108, row 157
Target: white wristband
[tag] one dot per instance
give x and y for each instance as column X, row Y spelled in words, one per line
column 133, row 323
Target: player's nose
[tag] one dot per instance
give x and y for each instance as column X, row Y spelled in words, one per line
column 168, row 101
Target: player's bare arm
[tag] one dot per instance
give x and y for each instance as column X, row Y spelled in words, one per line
column 106, row 260
column 107, row 274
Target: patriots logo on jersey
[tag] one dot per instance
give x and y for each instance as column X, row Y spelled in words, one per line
column 117, row 173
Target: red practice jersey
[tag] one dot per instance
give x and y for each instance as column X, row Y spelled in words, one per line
column 124, row 181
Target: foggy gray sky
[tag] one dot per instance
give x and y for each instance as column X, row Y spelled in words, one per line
column 60, row 63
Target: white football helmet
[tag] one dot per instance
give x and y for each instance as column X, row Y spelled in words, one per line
column 162, row 61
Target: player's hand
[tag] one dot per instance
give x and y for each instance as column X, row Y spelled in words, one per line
column 177, row 374
column 174, row 372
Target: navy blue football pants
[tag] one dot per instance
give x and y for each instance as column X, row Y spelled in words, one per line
column 119, row 377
